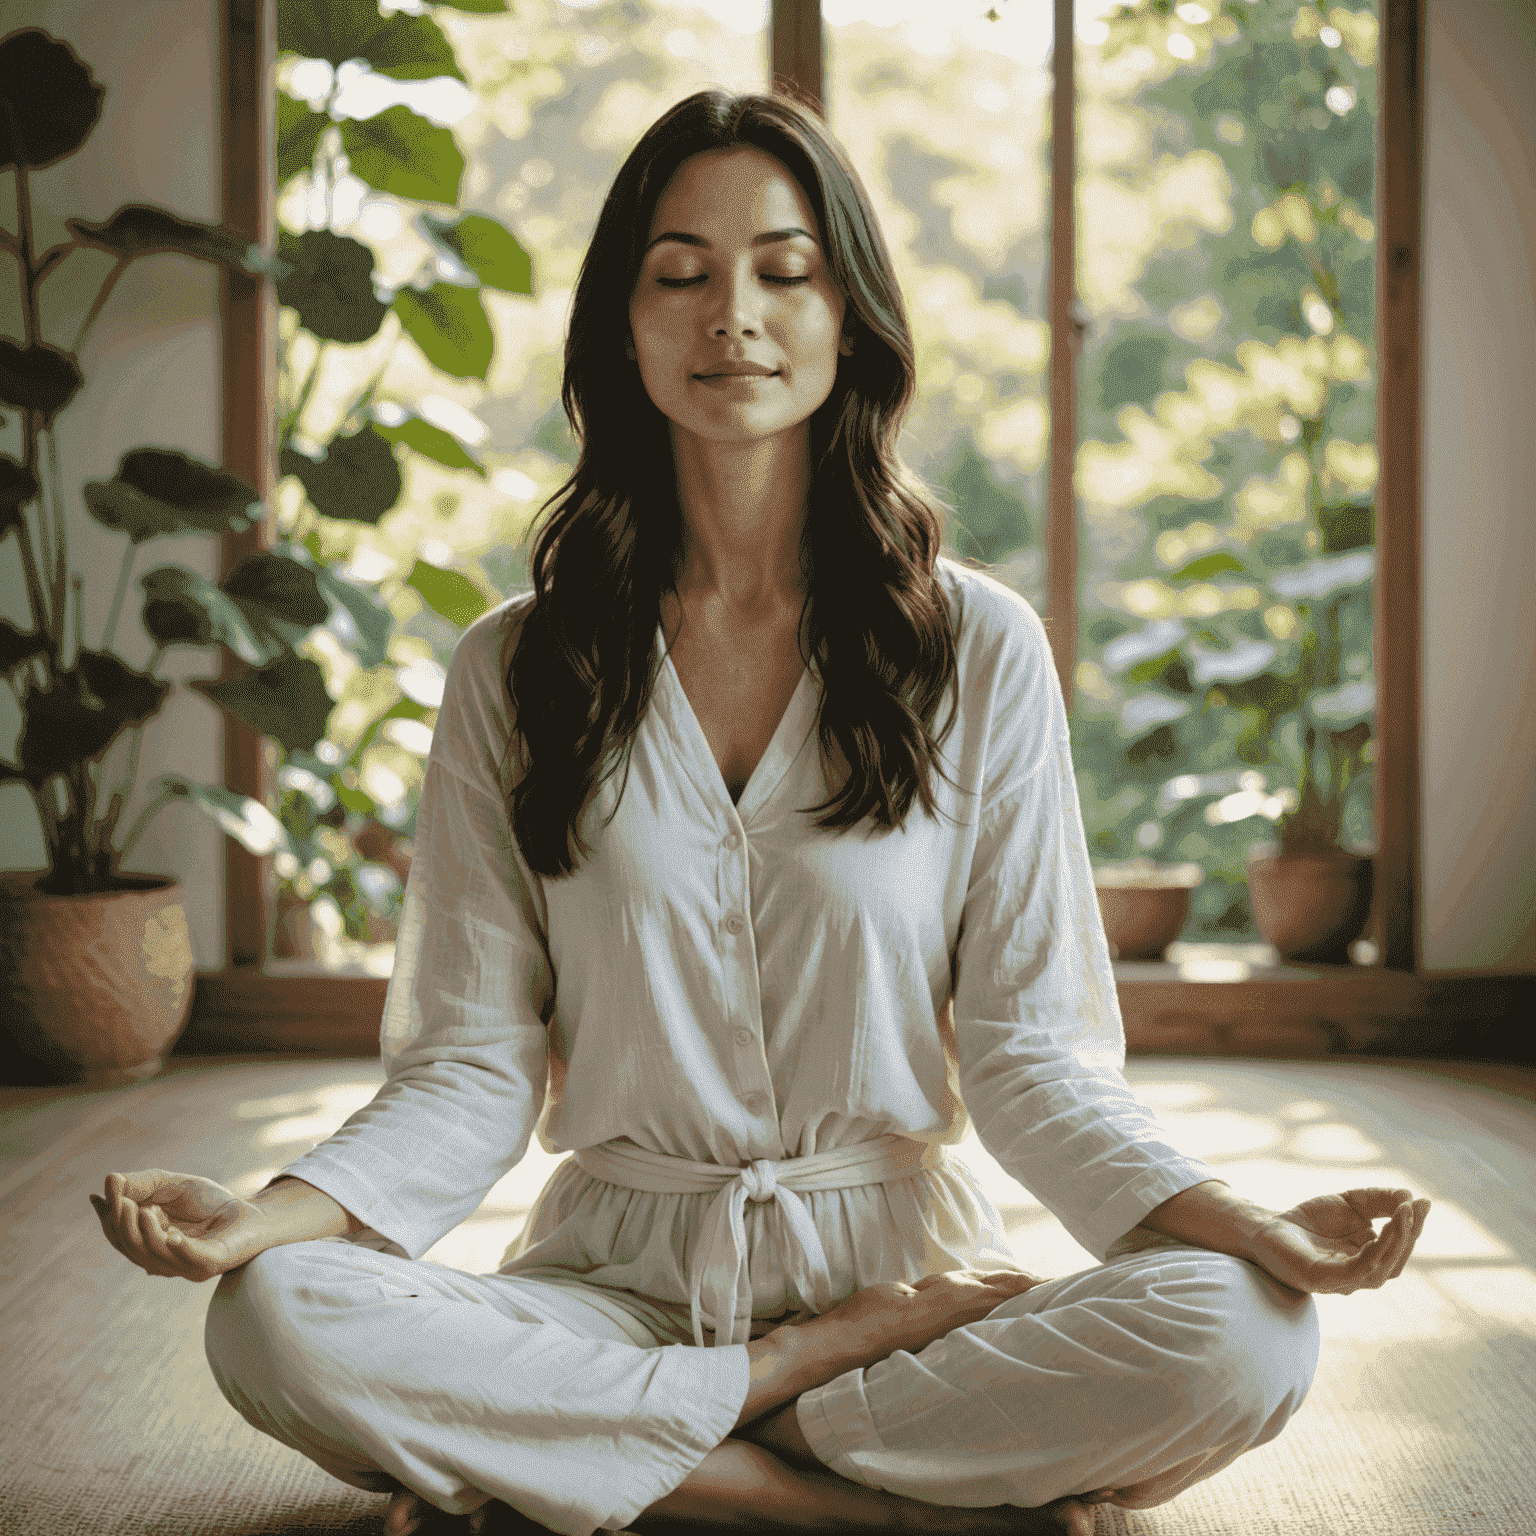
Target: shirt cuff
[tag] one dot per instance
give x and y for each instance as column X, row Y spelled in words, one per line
column 1125, row 1208
column 836, row 1421
column 361, row 1200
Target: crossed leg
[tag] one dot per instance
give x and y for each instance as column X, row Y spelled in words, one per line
column 1140, row 1377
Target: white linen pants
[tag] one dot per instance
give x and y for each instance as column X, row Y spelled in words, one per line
column 581, row 1407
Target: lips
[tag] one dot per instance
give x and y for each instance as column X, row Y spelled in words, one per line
column 740, row 371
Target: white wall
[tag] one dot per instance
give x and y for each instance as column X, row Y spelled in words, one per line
column 152, row 379
column 1479, row 572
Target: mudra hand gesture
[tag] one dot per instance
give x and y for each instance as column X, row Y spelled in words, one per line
column 1328, row 1244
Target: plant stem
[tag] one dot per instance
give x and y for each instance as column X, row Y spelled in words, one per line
column 117, row 596
column 120, row 795
column 100, row 300
column 162, row 799
column 61, row 522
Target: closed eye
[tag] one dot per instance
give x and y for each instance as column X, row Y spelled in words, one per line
column 688, row 282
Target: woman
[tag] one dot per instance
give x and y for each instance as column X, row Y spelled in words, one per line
column 753, row 986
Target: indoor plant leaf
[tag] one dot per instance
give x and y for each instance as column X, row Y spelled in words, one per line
column 450, row 325
column 401, row 45
column 488, row 249
column 38, row 378
column 286, row 700
column 400, row 152
column 432, row 442
column 279, row 596
column 16, row 647
column 182, row 607
column 372, row 621
column 298, row 128
column 246, row 820
column 77, row 717
column 450, row 593
column 160, row 491
column 331, row 285
column 137, row 229
column 48, row 95
column 358, row 479
column 18, row 485
column 369, row 621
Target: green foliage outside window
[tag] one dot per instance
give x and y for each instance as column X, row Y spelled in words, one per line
column 1226, row 470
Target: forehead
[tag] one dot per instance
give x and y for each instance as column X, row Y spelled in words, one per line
column 730, row 192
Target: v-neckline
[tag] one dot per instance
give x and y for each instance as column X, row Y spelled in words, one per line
column 784, row 746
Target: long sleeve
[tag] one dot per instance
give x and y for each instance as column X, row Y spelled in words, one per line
column 463, row 1033
column 1038, row 1032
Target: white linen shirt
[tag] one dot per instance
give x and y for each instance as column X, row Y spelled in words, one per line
column 723, row 982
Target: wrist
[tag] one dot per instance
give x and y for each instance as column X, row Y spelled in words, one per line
column 1211, row 1215
column 793, row 1359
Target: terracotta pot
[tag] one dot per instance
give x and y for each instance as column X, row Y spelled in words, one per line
column 94, row 988
column 1140, row 922
column 1310, row 907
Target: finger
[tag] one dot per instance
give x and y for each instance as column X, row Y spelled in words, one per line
column 108, row 1226
column 154, row 1233
column 1375, row 1201
column 1414, row 1226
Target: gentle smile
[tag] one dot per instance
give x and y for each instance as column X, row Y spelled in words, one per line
column 744, row 374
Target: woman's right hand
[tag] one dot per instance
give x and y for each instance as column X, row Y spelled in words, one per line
column 177, row 1224
column 892, row 1315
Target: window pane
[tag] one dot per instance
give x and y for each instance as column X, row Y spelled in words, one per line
column 946, row 116
column 557, row 96
column 1227, row 463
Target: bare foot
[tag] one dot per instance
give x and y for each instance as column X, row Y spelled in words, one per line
column 409, row 1515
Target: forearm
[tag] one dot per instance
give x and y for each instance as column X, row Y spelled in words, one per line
column 795, row 1358
column 1209, row 1215
column 295, row 1212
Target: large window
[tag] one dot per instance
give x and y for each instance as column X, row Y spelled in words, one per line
column 1216, row 599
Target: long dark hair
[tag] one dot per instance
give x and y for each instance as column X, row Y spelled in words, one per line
column 579, row 669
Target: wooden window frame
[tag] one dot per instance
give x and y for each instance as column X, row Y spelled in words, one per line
column 1290, row 1011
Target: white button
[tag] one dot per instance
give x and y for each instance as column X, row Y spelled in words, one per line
column 754, row 1102
column 732, row 840
column 733, row 925
column 743, row 1037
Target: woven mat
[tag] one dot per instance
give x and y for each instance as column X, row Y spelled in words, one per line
column 1419, row 1423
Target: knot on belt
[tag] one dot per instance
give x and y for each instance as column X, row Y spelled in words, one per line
column 718, row 1283
column 761, row 1179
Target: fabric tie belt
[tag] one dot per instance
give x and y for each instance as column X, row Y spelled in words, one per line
column 718, row 1282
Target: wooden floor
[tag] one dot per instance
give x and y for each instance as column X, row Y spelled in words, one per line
column 1419, row 1422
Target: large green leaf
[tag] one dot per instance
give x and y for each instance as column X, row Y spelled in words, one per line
column 450, row 593
column 16, row 647
column 432, row 442
column 357, row 480
column 49, row 101
column 285, row 700
column 159, row 491
column 488, row 249
column 18, row 485
column 246, row 820
column 1217, row 563
column 299, row 128
column 38, row 378
column 137, row 229
column 77, row 717
column 450, row 325
column 183, row 608
column 279, row 595
column 404, row 46
column 400, row 152
column 370, row 619
column 331, row 285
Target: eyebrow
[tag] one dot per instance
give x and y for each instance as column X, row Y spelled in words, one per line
column 768, row 237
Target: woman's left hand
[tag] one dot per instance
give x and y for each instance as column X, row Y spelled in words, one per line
column 1328, row 1244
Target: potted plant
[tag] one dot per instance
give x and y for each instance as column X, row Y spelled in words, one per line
column 1144, row 905
column 95, row 964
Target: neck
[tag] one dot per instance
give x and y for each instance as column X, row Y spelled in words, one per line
column 743, row 508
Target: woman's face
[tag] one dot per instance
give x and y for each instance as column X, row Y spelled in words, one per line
column 734, row 276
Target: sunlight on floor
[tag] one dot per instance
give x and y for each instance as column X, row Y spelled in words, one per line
column 1463, row 1276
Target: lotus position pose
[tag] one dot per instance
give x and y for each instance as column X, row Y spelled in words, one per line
column 707, row 894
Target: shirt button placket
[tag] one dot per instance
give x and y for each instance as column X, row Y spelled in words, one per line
column 735, row 893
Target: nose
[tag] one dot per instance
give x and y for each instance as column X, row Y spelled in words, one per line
column 741, row 306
